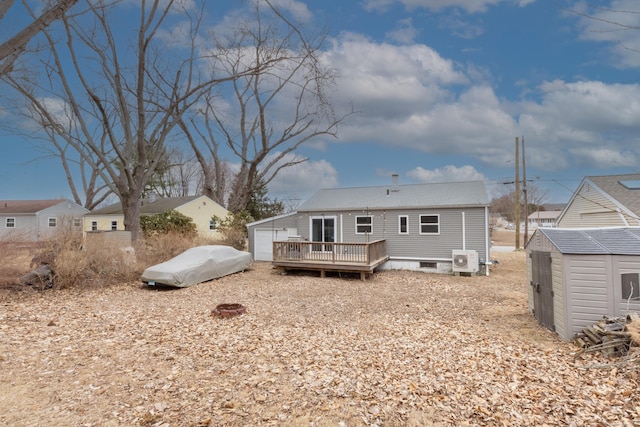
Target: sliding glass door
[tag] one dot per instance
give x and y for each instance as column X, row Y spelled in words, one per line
column 323, row 229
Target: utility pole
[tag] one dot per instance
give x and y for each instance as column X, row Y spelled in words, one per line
column 517, row 194
column 524, row 191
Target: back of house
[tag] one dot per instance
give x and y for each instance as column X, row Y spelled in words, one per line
column 424, row 226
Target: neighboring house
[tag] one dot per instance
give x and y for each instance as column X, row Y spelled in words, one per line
column 604, row 201
column 200, row 209
column 543, row 219
column 420, row 226
column 577, row 276
column 35, row 220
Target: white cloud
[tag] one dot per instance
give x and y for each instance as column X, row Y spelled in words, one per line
column 298, row 9
column 586, row 123
column 597, row 157
column 389, row 81
column 304, row 179
column 405, row 33
column 447, row 173
column 470, row 6
column 411, row 97
column 615, row 23
column 460, row 25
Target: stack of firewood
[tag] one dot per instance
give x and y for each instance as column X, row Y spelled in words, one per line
column 612, row 336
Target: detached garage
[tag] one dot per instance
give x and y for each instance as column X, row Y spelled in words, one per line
column 577, row 276
column 263, row 233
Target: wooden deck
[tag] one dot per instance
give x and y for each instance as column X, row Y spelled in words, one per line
column 360, row 258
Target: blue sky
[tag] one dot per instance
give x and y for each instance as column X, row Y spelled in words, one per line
column 442, row 89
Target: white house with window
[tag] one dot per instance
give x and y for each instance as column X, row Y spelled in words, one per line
column 422, row 224
column 36, row 220
column 546, row 219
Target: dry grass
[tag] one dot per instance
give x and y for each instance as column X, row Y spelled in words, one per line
column 76, row 265
column 633, row 328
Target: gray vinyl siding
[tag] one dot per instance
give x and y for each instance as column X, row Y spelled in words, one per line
column 413, row 245
column 589, row 296
column 26, row 227
column 586, row 286
column 560, row 318
column 624, row 265
column 35, row 226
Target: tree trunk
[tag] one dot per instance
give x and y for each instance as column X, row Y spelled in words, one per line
column 131, row 205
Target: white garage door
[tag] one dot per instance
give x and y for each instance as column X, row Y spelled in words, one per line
column 263, row 243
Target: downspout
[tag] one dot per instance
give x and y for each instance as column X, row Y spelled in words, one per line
column 487, row 240
column 464, row 233
column 341, row 230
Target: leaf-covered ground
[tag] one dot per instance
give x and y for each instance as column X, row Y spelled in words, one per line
column 402, row 348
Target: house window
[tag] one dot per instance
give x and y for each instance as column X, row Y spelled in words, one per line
column 10, row 223
column 114, row 225
column 429, row 224
column 364, row 224
column 94, row 225
column 53, row 222
column 630, row 286
column 403, row 224
column 77, row 222
column 213, row 224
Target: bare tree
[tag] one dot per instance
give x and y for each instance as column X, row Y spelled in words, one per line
column 179, row 177
column 504, row 203
column 15, row 45
column 269, row 113
column 116, row 97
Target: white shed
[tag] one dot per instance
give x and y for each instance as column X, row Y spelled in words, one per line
column 263, row 233
column 577, row 276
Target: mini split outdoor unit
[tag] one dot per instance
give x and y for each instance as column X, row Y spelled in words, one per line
column 465, row 261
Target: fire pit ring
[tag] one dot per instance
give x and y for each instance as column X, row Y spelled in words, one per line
column 228, row 310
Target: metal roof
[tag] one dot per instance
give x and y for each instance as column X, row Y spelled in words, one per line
column 432, row 195
column 608, row 241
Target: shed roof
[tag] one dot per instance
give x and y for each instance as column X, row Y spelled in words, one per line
column 27, row 206
column 606, row 241
column 148, row 207
column 442, row 194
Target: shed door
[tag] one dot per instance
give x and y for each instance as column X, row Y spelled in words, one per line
column 542, row 288
column 263, row 243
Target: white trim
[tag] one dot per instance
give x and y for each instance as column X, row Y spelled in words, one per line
column 400, row 225
column 409, row 258
column 273, row 218
column 420, row 225
column 363, row 225
column 323, row 217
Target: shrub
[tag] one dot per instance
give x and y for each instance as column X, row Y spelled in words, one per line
column 233, row 229
column 167, row 222
column 160, row 247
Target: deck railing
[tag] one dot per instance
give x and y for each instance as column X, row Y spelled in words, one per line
column 325, row 252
